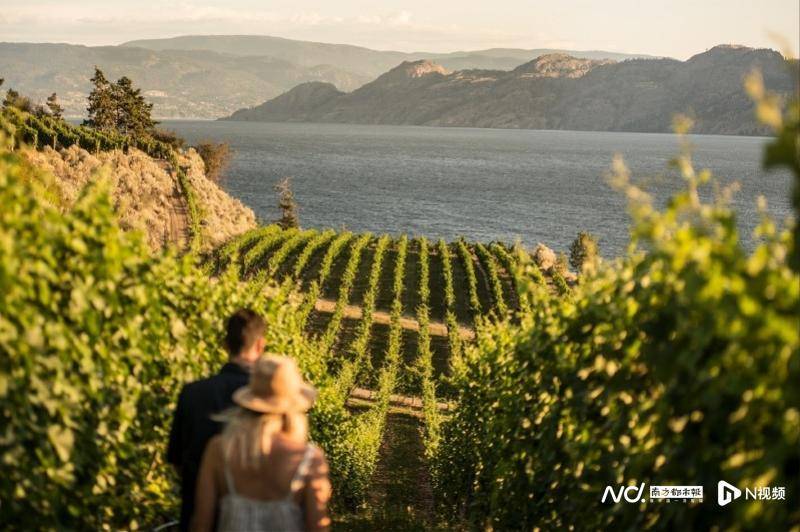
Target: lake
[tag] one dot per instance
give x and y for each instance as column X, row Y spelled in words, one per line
column 484, row 184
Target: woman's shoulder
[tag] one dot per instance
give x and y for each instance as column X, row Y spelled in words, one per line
column 214, row 448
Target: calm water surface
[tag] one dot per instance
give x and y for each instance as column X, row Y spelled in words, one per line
column 484, row 184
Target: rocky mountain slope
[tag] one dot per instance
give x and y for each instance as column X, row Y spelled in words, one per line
column 146, row 193
column 212, row 76
column 554, row 91
column 357, row 59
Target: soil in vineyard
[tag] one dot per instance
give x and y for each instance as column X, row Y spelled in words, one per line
column 437, row 302
column 361, row 283
column 460, row 287
column 386, row 292
column 484, row 288
column 334, row 281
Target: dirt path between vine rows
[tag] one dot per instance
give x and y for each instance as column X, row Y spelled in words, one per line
column 355, row 313
column 400, row 495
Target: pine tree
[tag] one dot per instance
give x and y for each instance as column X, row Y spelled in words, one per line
column 55, row 108
column 102, row 107
column 287, row 204
column 583, row 251
column 134, row 114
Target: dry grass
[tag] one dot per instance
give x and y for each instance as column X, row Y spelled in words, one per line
column 145, row 191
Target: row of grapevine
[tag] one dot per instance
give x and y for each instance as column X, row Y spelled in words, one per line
column 313, row 245
column 47, row 131
column 253, row 257
column 229, row 255
column 472, row 280
column 367, row 432
column 311, row 297
column 288, row 246
column 358, row 349
column 454, row 339
column 424, row 363
column 495, row 284
column 325, row 343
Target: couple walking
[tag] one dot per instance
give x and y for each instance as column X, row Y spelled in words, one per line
column 239, row 441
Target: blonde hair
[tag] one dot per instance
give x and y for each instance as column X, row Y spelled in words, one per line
column 251, row 433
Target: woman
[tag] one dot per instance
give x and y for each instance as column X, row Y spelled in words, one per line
column 261, row 473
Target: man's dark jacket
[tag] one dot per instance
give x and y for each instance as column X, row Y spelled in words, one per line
column 192, row 427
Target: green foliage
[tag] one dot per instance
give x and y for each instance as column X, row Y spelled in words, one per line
column 490, row 264
column 316, row 243
column 314, row 290
column 229, row 255
column 472, row 280
column 287, row 204
column 15, row 100
column 327, row 340
column 514, row 265
column 583, row 251
column 784, row 150
column 346, row 378
column 453, row 337
column 119, row 108
column 192, row 206
column 55, row 108
column 677, row 364
column 283, row 252
column 97, row 336
column 255, row 256
column 424, row 362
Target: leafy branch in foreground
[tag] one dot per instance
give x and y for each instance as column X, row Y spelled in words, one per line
column 678, row 361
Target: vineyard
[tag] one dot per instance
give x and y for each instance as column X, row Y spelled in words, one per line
column 461, row 386
column 427, row 298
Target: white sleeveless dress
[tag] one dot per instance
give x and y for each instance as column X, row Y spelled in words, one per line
column 243, row 514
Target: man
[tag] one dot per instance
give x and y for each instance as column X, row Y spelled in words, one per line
column 192, row 426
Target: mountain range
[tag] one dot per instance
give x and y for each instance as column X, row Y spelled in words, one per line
column 212, row 76
column 553, row 91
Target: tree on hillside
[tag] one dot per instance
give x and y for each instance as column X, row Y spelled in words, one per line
column 102, row 107
column 134, row 113
column 15, row 99
column 583, row 250
column 55, row 108
column 119, row 107
column 287, row 204
column 216, row 157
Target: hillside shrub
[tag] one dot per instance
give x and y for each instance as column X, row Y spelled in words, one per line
column 216, row 157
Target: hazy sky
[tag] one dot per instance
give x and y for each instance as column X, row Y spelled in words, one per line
column 677, row 28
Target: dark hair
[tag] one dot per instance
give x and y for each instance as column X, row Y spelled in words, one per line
column 243, row 328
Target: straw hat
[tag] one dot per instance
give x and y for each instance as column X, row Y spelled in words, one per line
column 276, row 387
